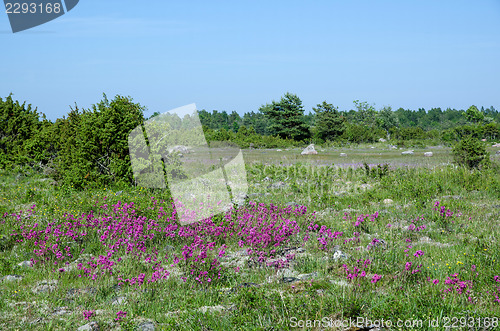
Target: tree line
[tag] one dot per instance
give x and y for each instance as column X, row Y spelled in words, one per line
column 286, row 118
column 90, row 146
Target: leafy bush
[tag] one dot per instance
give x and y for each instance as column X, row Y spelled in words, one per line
column 94, row 143
column 471, row 153
column 18, row 124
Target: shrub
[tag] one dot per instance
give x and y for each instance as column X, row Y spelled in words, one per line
column 471, row 152
column 94, row 143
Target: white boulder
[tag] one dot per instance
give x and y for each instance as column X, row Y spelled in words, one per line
column 309, row 150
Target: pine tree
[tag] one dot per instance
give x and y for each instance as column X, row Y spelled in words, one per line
column 329, row 123
column 287, row 118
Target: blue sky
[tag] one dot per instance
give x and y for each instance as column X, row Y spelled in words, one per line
column 240, row 55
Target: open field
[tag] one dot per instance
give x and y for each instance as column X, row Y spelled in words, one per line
column 414, row 244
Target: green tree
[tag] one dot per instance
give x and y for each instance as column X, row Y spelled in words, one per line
column 18, row 124
column 474, row 115
column 287, row 118
column 94, row 142
column 365, row 113
column 329, row 123
column 471, row 153
column 386, row 119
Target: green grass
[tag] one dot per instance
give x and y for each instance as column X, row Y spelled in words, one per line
column 336, row 195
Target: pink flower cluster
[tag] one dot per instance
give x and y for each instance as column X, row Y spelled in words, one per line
column 456, row 284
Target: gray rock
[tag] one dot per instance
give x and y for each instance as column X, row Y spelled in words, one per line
column 382, row 140
column 92, row 326
column 45, row 286
column 337, row 255
column 61, row 311
column 428, row 154
column 119, row 301
column 211, row 309
column 455, row 197
column 11, row 278
column 278, row 185
column 279, row 150
column 25, row 264
column 146, row 326
column 289, row 280
column 309, row 150
column 343, row 154
column 286, row 272
column 308, row 276
column 388, row 201
column 407, row 153
column 498, row 152
column 341, row 283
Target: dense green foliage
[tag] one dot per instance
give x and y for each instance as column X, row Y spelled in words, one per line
column 19, row 130
column 471, row 152
column 90, row 146
column 287, row 118
column 329, row 123
column 364, row 124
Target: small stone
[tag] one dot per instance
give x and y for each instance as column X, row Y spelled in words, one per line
column 407, row 153
column 428, row 154
column 61, row 311
column 289, row 279
column 278, row 185
column 382, row 140
column 211, row 309
column 146, row 326
column 388, row 201
column 119, row 301
column 307, row 276
column 25, row 264
column 342, row 283
column 340, row 255
column 287, row 273
column 45, row 286
column 279, row 150
column 343, row 154
column 92, row 326
column 11, row 278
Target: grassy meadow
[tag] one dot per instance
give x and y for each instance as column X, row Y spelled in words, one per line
column 374, row 239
